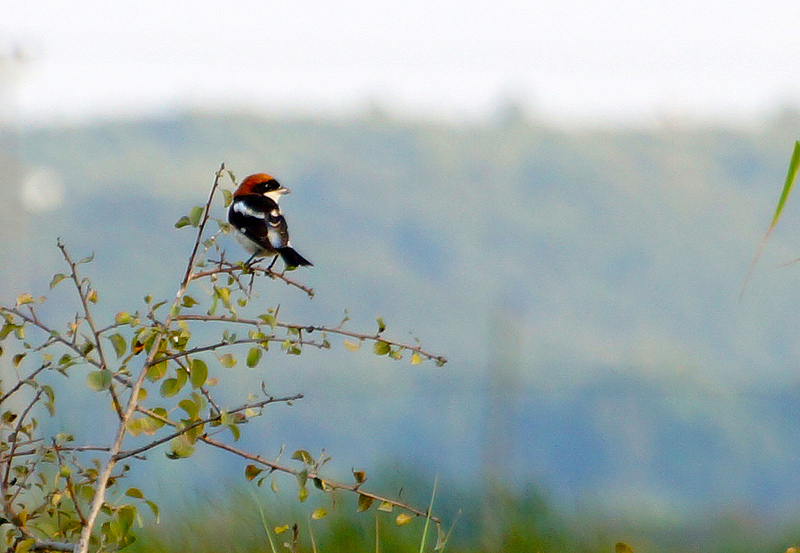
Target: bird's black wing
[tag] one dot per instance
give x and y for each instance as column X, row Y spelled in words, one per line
column 259, row 218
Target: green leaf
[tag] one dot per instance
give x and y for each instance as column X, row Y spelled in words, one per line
column 98, row 381
column 122, row 318
column 183, row 222
column 253, row 357
column 191, row 408
column 7, row 329
column 58, row 277
column 134, row 492
column 381, row 348
column 364, row 503
column 195, row 214
column 180, row 447
column 156, row 372
column 126, row 515
column 381, row 325
column 170, row 387
column 416, row 358
column 402, row 519
column 119, row 343
column 188, row 301
column 319, row 513
column 199, row 373
column 385, row 506
column 269, row 319
column 25, row 545
column 154, row 508
column 304, row 456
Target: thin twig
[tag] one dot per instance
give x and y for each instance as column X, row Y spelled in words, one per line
column 355, row 488
column 87, row 316
column 22, row 382
column 183, row 429
column 318, row 328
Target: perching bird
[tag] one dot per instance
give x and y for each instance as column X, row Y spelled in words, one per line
column 257, row 221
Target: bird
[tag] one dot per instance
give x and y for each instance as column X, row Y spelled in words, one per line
column 257, row 221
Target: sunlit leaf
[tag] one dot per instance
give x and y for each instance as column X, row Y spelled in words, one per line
column 25, row 545
column 403, row 518
column 351, row 345
column 227, row 360
column 281, row 529
column 227, row 196
column 416, row 358
column 92, row 296
column 385, row 506
column 622, row 547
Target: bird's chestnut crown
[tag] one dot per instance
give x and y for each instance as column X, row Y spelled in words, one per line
column 261, row 183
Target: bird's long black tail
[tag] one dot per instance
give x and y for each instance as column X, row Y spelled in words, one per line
column 293, row 259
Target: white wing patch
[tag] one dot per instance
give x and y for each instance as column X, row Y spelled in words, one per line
column 242, row 207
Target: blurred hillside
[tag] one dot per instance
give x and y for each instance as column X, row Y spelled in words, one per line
column 584, row 282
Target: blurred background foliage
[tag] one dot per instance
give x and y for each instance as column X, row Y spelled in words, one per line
column 605, row 380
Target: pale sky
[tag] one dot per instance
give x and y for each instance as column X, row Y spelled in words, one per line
column 570, row 59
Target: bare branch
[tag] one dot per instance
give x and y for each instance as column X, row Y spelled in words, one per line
column 22, row 382
column 226, row 267
column 193, row 257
